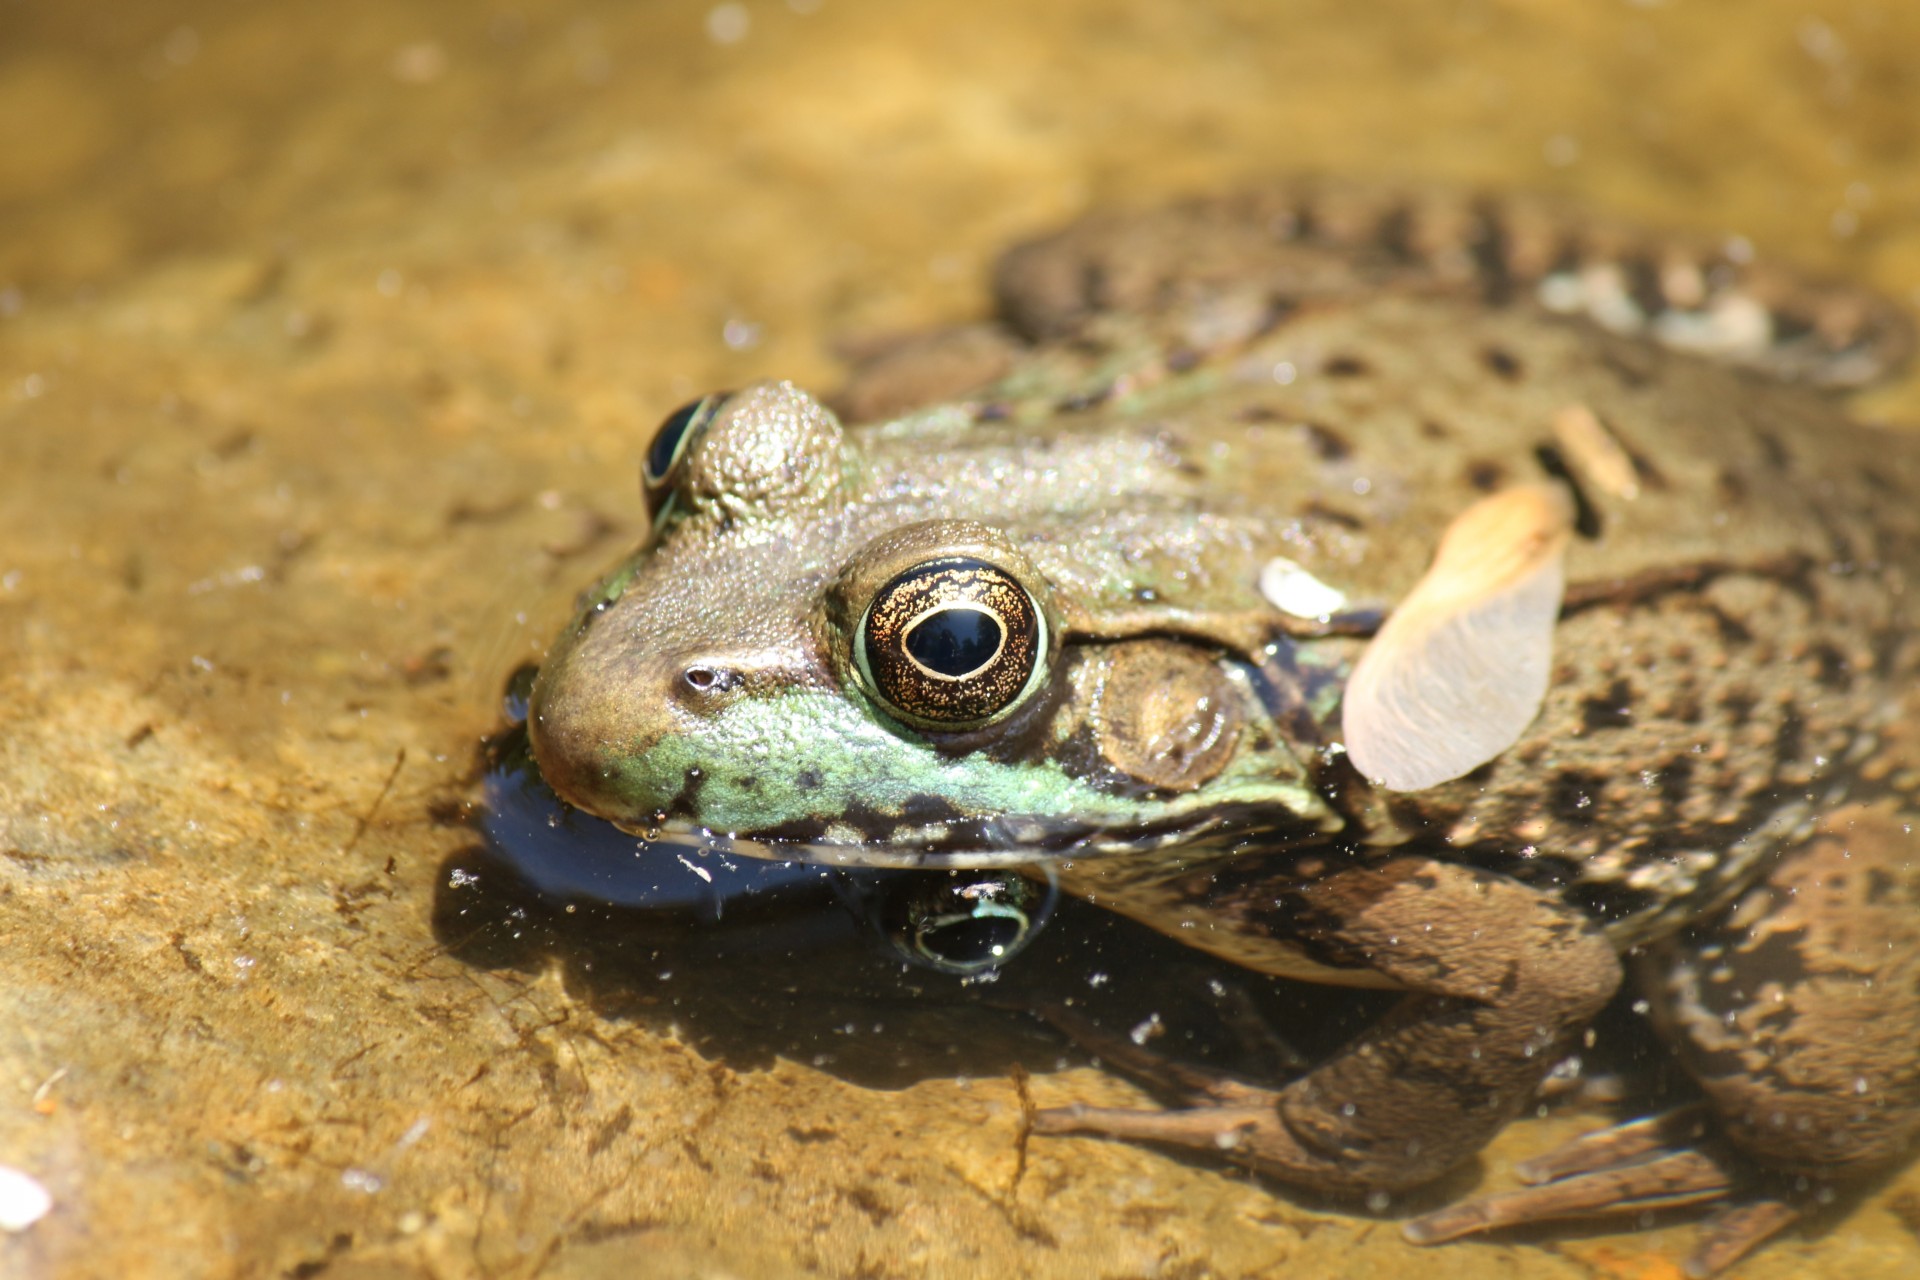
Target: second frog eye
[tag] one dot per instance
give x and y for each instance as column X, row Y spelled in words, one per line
column 951, row 643
column 671, row 440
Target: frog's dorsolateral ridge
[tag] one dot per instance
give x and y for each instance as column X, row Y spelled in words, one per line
column 1648, row 631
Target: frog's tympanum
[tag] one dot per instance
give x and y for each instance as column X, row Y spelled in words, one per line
column 1419, row 592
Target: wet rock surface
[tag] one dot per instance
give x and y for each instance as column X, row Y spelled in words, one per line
column 327, row 347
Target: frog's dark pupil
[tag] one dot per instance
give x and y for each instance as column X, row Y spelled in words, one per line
column 666, row 441
column 954, row 642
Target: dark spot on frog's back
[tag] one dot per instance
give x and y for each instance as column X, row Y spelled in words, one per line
column 1327, row 444
column 1394, row 234
column 1492, row 251
column 1081, row 401
column 1485, row 475
column 1346, row 365
column 1676, row 781
column 1831, row 667
column 807, row 780
column 1280, row 309
column 1643, row 285
column 1729, row 628
column 1317, row 510
column 1484, row 775
column 1791, row 326
column 1503, row 364
column 1182, row 360
column 1791, row 744
column 1611, row 710
column 1576, row 795
column 1774, row 451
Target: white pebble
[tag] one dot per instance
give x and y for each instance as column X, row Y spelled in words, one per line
column 23, row 1201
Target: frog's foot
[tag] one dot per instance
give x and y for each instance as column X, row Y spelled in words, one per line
column 1502, row 982
column 1768, row 1005
column 1633, row 1168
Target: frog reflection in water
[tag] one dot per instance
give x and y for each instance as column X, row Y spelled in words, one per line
column 1390, row 590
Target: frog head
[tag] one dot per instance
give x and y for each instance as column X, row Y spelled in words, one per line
column 868, row 649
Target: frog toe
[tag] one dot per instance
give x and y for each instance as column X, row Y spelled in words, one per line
column 1616, row 1146
column 1657, row 1181
column 1736, row 1231
column 1665, row 1182
column 1241, row 1129
column 1634, row 1168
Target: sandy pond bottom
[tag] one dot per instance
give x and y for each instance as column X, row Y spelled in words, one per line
column 328, row 343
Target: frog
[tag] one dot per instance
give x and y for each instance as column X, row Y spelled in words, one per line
column 1390, row 587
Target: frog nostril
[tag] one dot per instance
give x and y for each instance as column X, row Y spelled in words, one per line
column 704, row 679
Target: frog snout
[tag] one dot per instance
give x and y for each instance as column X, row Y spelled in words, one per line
column 617, row 739
column 593, row 726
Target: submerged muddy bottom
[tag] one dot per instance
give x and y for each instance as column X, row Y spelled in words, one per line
column 327, row 349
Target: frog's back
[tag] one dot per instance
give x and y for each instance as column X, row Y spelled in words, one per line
column 1739, row 619
column 1333, row 376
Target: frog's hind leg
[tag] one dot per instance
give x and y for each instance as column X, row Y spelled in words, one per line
column 1798, row 1011
column 1503, row 979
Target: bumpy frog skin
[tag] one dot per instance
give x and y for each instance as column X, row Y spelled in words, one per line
column 1019, row 615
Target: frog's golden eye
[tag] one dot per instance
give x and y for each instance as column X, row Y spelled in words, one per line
column 671, row 440
column 951, row 643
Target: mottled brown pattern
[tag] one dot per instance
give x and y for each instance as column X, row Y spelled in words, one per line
column 1505, row 980
column 1332, row 374
column 1771, row 1003
column 1260, row 254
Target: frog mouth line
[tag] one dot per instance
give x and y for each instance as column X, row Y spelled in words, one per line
column 984, row 843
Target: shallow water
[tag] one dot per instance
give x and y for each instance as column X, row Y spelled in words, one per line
column 328, row 343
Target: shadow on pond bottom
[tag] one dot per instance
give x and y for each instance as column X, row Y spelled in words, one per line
column 751, row 960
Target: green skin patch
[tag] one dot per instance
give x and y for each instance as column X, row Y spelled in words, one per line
column 768, row 764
